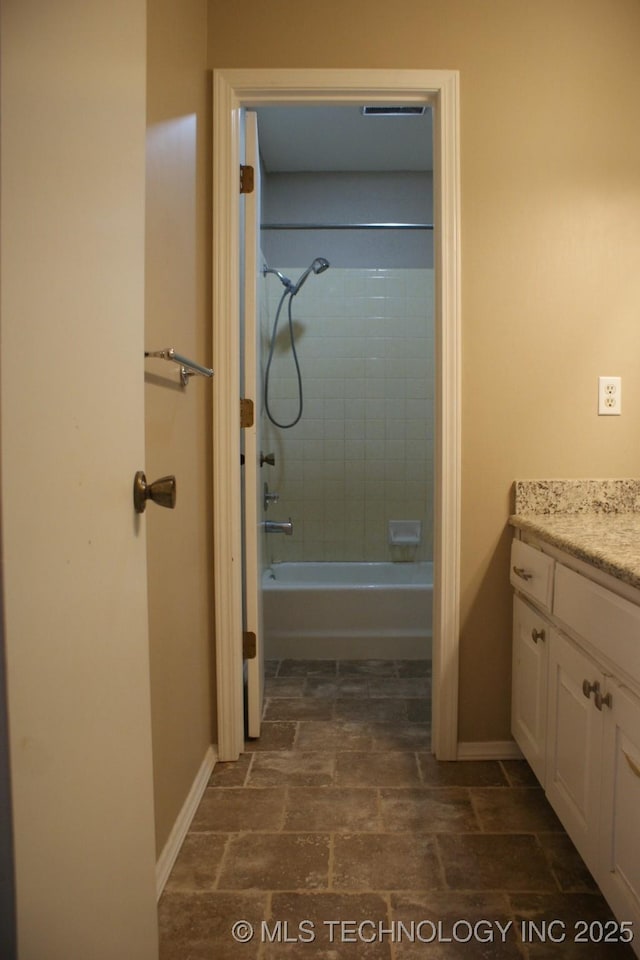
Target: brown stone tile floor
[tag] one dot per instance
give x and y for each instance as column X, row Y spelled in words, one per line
column 338, row 835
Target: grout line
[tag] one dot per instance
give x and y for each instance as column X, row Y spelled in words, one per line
column 249, row 768
column 268, row 915
column 216, row 882
column 438, row 853
column 547, row 860
column 419, row 768
column 474, row 810
column 390, row 917
column 379, row 808
column 331, row 863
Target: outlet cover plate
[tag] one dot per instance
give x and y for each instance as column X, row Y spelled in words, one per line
column 609, row 396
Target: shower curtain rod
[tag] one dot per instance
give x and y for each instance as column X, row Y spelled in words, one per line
column 347, row 226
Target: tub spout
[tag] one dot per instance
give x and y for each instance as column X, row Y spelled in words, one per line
column 279, row 526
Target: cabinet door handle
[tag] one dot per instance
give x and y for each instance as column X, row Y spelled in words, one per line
column 589, row 688
column 601, row 701
column 522, row 573
column 537, row 635
column 634, row 766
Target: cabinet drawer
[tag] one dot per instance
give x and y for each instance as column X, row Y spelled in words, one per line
column 609, row 622
column 532, row 573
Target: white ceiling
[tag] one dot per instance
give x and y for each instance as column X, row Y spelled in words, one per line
column 295, row 139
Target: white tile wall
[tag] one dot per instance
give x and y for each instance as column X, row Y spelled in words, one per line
column 362, row 453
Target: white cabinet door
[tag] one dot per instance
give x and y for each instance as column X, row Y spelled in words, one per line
column 574, row 744
column 619, row 875
column 529, row 684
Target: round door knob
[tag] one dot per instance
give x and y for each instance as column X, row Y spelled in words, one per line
column 162, row 492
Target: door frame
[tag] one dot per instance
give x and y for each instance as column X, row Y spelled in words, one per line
column 234, row 89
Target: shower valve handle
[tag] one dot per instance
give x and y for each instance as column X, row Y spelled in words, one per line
column 269, row 497
column 269, row 458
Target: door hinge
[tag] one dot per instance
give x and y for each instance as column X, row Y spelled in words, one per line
column 246, row 178
column 246, row 413
column 248, row 645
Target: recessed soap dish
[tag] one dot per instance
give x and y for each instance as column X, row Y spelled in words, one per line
column 405, row 533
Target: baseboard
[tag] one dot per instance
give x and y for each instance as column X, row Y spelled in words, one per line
column 171, row 849
column 489, row 750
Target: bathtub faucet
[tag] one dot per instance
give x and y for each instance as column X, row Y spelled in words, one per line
column 279, row 526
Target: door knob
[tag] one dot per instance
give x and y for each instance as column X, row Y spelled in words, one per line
column 162, row 492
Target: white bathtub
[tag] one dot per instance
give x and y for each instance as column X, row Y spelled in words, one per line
column 348, row 610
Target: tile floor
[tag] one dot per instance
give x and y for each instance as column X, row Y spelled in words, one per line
column 338, row 835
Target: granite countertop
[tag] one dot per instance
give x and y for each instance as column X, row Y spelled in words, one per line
column 597, row 521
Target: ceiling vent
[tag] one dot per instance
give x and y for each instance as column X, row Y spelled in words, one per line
column 391, row 111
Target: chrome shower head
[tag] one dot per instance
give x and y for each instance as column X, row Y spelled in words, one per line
column 319, row 265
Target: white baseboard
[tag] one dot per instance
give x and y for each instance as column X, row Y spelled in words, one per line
column 489, row 750
column 180, row 829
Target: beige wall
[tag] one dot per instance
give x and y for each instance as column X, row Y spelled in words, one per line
column 178, row 421
column 72, row 268
column 550, row 247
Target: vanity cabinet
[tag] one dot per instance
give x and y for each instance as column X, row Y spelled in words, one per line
column 576, row 714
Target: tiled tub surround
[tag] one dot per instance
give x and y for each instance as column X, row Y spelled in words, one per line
column 340, row 812
column 362, row 453
column 597, row 521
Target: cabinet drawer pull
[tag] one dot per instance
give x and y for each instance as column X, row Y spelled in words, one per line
column 522, row 573
column 634, row 766
column 589, row 688
column 537, row 635
column 601, row 701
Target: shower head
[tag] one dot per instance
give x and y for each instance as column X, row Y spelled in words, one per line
column 283, row 280
column 319, row 265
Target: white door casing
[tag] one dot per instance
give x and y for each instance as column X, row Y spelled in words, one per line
column 234, row 89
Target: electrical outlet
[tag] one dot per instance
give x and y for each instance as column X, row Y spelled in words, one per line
column 609, row 396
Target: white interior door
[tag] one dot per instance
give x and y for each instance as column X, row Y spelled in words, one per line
column 253, row 506
column 74, row 551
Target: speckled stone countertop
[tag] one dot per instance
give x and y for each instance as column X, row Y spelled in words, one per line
column 597, row 521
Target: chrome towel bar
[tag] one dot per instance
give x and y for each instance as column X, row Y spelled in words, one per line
column 188, row 368
column 347, row 226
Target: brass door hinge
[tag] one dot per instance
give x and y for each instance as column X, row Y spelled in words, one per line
column 248, row 645
column 246, row 413
column 246, row 178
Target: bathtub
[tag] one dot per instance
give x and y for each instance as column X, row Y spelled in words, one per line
column 354, row 611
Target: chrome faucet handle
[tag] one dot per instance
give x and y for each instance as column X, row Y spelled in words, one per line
column 269, row 497
column 269, row 458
